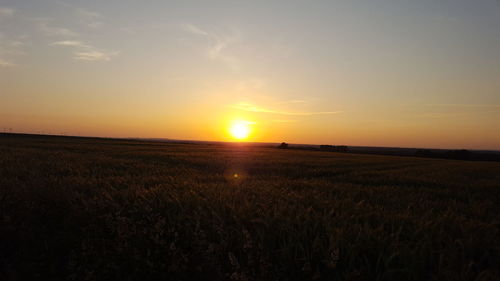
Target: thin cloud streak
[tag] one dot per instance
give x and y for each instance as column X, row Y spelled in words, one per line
column 194, row 29
column 89, row 18
column 466, row 105
column 70, row 43
column 86, row 52
column 253, row 108
column 10, row 49
column 218, row 45
column 95, row 55
column 49, row 30
column 4, row 63
column 82, row 51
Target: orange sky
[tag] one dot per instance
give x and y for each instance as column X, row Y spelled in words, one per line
column 374, row 73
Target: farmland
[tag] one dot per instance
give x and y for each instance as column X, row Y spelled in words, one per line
column 100, row 209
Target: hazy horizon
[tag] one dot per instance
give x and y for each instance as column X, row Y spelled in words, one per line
column 423, row 74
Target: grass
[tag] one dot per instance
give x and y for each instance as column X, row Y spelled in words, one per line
column 97, row 209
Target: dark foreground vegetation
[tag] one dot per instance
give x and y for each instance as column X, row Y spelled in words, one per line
column 454, row 154
column 96, row 209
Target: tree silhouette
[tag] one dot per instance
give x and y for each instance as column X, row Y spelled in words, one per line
column 283, row 145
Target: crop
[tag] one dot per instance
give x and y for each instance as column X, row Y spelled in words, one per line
column 98, row 209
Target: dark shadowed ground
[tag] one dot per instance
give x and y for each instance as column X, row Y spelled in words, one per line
column 97, row 209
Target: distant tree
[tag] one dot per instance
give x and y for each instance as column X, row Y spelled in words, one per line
column 283, row 145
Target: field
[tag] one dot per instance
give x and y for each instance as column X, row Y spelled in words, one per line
column 98, row 209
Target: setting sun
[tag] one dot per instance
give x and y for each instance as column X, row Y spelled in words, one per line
column 255, row 140
column 240, row 130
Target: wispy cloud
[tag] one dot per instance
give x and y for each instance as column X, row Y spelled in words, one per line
column 49, row 30
column 95, row 55
column 258, row 109
column 466, row 105
column 218, row 45
column 86, row 52
column 4, row 63
column 89, row 18
column 70, row 43
column 10, row 48
column 7, row 47
column 81, row 50
column 6, row 12
column 7, row 56
column 195, row 30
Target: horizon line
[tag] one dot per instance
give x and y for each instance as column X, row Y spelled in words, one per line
column 159, row 139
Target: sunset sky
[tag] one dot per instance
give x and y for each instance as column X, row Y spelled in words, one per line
column 420, row 73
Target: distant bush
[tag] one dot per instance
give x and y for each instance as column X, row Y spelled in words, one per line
column 283, row 145
column 336, row 148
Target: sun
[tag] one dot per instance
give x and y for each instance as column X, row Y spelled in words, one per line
column 240, row 130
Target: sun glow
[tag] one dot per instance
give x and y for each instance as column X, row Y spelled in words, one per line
column 240, row 130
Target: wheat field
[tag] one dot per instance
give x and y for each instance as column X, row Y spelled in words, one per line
column 102, row 209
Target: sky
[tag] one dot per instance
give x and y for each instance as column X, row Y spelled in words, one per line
column 376, row 72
